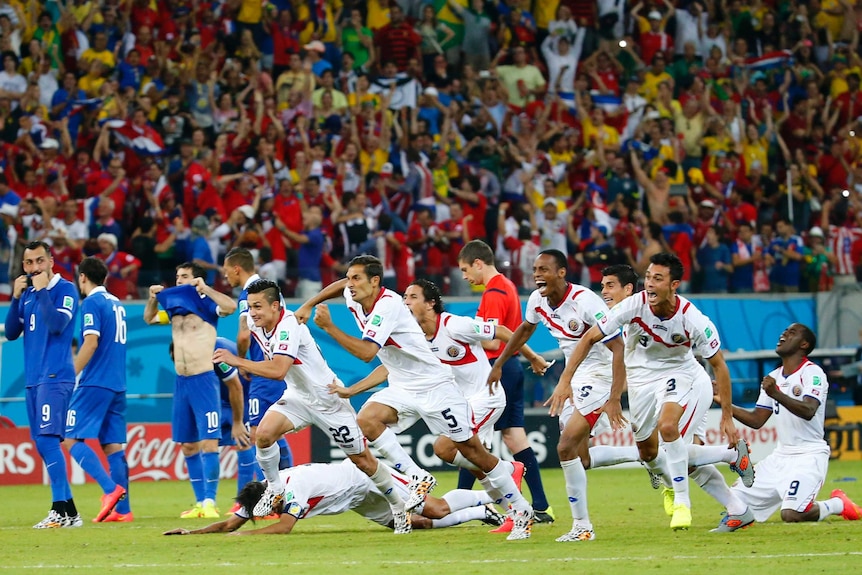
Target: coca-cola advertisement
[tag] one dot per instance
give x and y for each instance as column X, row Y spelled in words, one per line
column 150, row 451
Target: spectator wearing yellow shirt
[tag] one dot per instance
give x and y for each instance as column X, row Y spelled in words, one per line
column 831, row 16
column 523, row 81
column 296, row 79
column 841, row 68
column 92, row 81
column 99, row 51
column 655, row 76
column 378, row 14
column 249, row 17
column 593, row 123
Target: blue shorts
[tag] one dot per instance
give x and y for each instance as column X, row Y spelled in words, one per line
column 262, row 393
column 97, row 413
column 227, row 425
column 512, row 381
column 46, row 408
column 197, row 408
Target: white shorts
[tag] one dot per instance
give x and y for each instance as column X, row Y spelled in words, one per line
column 643, row 410
column 685, row 388
column 486, row 410
column 693, row 420
column 444, row 410
column 785, row 481
column 340, row 425
column 591, row 391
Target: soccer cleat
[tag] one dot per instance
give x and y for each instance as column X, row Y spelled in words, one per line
column 72, row 521
column 403, row 524
column 193, row 513
column 109, row 501
column 522, row 525
column 210, row 511
column 733, row 522
column 506, row 527
column 743, row 465
column 115, row 517
column 668, row 497
column 419, row 487
column 233, row 510
column 578, row 533
column 852, row 512
column 53, row 521
column 654, row 478
column 268, row 502
column 517, row 473
column 681, row 519
column 546, row 516
column 493, row 517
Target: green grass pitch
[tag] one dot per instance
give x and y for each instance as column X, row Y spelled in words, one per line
column 632, row 537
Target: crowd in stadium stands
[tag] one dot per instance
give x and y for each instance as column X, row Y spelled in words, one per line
column 151, row 132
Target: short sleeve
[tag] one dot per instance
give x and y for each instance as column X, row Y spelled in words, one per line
column 703, row 333
column 383, row 319
column 225, row 371
column 91, row 319
column 287, row 337
column 530, row 314
column 469, row 330
column 614, row 319
column 68, row 301
column 764, row 401
column 814, row 383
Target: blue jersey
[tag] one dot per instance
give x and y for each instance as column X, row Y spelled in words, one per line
column 225, row 372
column 260, row 386
column 45, row 319
column 104, row 316
column 185, row 300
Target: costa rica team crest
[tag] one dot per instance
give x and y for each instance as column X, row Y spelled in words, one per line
column 452, row 351
column 573, row 325
column 677, row 338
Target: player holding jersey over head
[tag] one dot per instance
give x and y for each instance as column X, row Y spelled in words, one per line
column 98, row 406
column 419, row 385
column 292, row 354
column 193, row 308
column 569, row 311
column 791, row 476
column 661, row 327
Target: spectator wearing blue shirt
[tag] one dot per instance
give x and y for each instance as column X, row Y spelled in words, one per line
column 201, row 252
column 784, row 256
column 130, row 72
column 311, row 243
column 63, row 103
column 745, row 253
column 713, row 257
column 430, row 109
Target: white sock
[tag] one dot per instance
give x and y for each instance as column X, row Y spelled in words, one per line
column 606, row 455
column 501, row 479
column 706, row 454
column 267, row 458
column 458, row 499
column 459, row 517
column 464, row 463
column 576, row 489
column 382, row 479
column 659, row 467
column 711, row 480
column 677, row 466
column 389, row 448
column 495, row 494
column 829, row 507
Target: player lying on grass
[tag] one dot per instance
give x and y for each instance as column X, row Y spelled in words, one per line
column 333, row 488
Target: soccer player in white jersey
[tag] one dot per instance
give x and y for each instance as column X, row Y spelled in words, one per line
column 619, row 282
column 662, row 327
column 292, row 355
column 791, row 476
column 568, row 311
column 333, row 488
column 419, row 385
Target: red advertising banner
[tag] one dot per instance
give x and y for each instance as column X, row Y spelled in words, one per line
column 150, row 451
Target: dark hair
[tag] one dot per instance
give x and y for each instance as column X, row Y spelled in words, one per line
column 476, row 250
column 197, row 270
column 372, row 266
column 94, row 270
column 249, row 495
column 39, row 244
column 670, row 261
column 623, row 272
column 559, row 258
column 808, row 337
column 240, row 257
column 268, row 288
column 431, row 292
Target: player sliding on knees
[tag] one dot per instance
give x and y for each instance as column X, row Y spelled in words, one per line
column 419, row 385
column 293, row 356
column 333, row 488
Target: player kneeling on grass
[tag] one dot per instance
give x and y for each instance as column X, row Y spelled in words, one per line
column 333, row 488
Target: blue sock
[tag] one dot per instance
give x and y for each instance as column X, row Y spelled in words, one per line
column 89, row 462
column 195, row 465
column 211, row 472
column 246, row 468
column 465, row 479
column 120, row 474
column 532, row 477
column 286, row 457
column 49, row 449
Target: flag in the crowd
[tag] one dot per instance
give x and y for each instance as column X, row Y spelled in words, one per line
column 85, row 104
column 770, row 61
column 406, row 90
column 567, row 99
column 318, row 15
column 607, row 102
column 145, row 141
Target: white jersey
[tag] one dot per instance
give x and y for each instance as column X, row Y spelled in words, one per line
column 404, row 350
column 457, row 343
column 579, row 310
column 656, row 347
column 309, row 375
column 795, row 434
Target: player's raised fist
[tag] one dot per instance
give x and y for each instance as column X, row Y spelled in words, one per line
column 321, row 316
column 768, row 385
column 155, row 289
column 40, row 280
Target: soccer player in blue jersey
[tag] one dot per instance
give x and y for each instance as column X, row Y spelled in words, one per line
column 98, row 406
column 193, row 308
column 42, row 308
column 239, row 272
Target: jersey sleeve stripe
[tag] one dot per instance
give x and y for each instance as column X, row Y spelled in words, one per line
column 371, row 340
column 65, row 311
column 95, row 332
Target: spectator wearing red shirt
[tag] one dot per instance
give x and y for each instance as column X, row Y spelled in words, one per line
column 850, row 102
column 474, row 204
column 284, row 42
column 66, row 257
column 122, row 268
column 656, row 40
column 110, row 183
column 398, row 41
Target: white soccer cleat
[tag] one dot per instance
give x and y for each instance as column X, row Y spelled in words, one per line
column 267, row 502
column 72, row 521
column 578, row 533
column 522, row 525
column 53, row 521
column 403, row 523
column 419, row 487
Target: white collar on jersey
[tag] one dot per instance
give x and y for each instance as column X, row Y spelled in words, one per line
column 98, row 289
column 54, row 281
column 251, row 279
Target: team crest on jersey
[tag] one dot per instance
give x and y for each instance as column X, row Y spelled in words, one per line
column 452, row 351
column 283, row 336
column 88, row 320
column 376, row 320
column 68, row 302
column 573, row 325
column 677, row 338
column 796, row 390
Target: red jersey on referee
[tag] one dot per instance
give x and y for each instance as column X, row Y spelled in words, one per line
column 500, row 305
